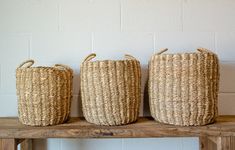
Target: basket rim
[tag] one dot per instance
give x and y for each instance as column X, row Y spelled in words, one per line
column 110, row 61
column 41, row 67
column 185, row 53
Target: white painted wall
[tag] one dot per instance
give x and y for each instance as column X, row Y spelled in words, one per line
column 65, row 31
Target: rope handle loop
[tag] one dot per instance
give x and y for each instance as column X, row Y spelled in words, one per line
column 64, row 67
column 89, row 57
column 127, row 56
column 93, row 55
column 27, row 63
column 162, row 51
column 204, row 50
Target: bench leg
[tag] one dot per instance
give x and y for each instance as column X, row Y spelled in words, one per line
column 27, row 144
column 217, row 143
column 226, row 143
column 8, row 144
column 207, row 143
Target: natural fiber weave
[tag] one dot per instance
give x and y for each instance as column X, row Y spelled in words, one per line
column 110, row 90
column 44, row 94
column 183, row 88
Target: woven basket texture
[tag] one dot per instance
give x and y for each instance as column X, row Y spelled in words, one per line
column 183, row 88
column 110, row 90
column 44, row 94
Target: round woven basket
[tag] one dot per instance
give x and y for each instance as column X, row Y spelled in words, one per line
column 183, row 88
column 110, row 90
column 44, row 94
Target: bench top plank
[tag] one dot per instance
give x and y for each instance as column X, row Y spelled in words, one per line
column 145, row 127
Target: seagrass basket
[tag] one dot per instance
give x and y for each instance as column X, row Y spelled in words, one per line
column 110, row 90
column 44, row 94
column 183, row 88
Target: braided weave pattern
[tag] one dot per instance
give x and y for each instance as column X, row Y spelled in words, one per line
column 44, row 94
column 110, row 91
column 183, row 88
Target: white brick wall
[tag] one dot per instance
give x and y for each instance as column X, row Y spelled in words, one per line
column 29, row 15
column 151, row 15
column 225, row 45
column 66, row 31
column 184, row 41
column 208, row 15
column 83, row 15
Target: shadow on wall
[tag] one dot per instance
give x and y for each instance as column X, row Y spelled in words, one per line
column 146, row 101
column 227, row 77
column 76, row 107
column 146, row 109
column 227, row 88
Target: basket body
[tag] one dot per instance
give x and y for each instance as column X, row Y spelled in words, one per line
column 183, row 88
column 110, row 91
column 44, row 95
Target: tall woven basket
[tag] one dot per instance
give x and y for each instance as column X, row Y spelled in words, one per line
column 183, row 88
column 110, row 90
column 44, row 94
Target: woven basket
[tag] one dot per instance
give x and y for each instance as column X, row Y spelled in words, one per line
column 44, row 94
column 110, row 90
column 183, row 88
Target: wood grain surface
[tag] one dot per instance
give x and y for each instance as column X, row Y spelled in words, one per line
column 208, row 143
column 8, row 144
column 26, row 145
column 145, row 127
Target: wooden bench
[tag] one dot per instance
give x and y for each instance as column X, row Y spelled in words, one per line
column 217, row 136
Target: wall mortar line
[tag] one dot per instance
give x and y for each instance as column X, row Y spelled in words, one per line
column 182, row 15
column 121, row 15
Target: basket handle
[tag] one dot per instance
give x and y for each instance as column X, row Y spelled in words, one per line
column 127, row 56
column 93, row 55
column 27, row 63
column 162, row 51
column 62, row 67
column 199, row 49
column 204, row 50
column 89, row 57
